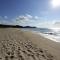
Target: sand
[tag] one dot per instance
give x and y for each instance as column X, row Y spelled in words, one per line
column 16, row 44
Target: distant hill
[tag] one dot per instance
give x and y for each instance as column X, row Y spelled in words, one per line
column 29, row 27
column 14, row 26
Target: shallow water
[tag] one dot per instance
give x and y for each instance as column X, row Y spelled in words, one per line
column 48, row 33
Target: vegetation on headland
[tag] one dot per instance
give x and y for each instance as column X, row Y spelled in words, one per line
column 15, row 26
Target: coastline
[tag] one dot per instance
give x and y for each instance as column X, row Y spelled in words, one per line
column 27, row 41
column 48, row 36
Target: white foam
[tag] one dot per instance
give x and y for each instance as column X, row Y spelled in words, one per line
column 51, row 37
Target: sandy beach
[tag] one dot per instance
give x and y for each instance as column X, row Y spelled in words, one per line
column 16, row 44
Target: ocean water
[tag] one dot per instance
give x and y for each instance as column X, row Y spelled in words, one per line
column 47, row 33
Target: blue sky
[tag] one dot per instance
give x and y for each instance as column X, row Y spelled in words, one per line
column 41, row 13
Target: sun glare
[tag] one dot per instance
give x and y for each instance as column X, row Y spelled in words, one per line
column 55, row 29
column 55, row 3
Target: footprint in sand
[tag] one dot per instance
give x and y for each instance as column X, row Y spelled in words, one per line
column 23, row 51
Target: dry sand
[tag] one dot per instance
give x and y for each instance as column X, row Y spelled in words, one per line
column 20, row 45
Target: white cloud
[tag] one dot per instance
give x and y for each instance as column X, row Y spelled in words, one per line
column 57, row 24
column 29, row 16
column 4, row 20
column 31, row 21
column 22, row 18
column 25, row 20
column 36, row 17
column 5, row 17
column 47, row 24
column 34, row 21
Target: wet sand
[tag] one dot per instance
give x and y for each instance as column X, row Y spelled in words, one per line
column 20, row 45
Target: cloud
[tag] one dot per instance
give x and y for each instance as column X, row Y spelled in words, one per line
column 4, row 20
column 36, row 17
column 5, row 17
column 29, row 16
column 30, row 20
column 57, row 24
column 34, row 21
column 47, row 24
column 26, row 19
column 20, row 20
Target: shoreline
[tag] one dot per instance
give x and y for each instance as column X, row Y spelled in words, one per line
column 50, row 37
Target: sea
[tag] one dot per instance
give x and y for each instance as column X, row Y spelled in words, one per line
column 51, row 34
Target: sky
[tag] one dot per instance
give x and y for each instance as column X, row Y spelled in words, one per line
column 39, row 13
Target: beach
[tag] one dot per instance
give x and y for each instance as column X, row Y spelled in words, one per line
column 16, row 44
